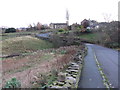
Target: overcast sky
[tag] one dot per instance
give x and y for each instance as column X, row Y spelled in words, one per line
column 21, row 13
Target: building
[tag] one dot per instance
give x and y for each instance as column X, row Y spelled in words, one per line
column 85, row 23
column 58, row 25
column 61, row 25
column 93, row 24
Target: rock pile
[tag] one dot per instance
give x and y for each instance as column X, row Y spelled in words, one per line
column 70, row 78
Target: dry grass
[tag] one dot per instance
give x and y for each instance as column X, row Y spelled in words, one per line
column 24, row 44
column 40, row 62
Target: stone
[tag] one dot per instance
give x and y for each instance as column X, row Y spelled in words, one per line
column 75, row 65
column 71, row 80
column 61, row 76
column 78, row 61
column 75, row 68
column 74, row 73
column 55, row 87
column 74, row 76
column 66, row 74
column 67, row 85
column 55, row 82
column 80, row 56
column 60, row 83
column 72, row 70
column 72, row 63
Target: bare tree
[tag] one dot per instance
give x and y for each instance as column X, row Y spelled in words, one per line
column 39, row 26
column 107, row 17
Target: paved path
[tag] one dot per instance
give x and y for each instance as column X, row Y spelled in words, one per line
column 108, row 59
column 91, row 77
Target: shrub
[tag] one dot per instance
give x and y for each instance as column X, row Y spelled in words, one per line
column 63, row 52
column 48, row 79
column 10, row 30
column 112, row 44
column 13, row 83
column 61, row 30
column 88, row 30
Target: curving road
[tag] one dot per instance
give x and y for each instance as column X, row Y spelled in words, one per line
column 108, row 58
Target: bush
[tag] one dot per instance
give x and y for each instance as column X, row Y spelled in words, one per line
column 61, row 30
column 88, row 30
column 13, row 83
column 112, row 44
column 10, row 30
column 63, row 52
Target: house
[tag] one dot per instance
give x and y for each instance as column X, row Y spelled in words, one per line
column 85, row 23
column 58, row 25
column 93, row 24
column 90, row 24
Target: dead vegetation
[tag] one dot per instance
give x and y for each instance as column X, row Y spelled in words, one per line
column 28, row 69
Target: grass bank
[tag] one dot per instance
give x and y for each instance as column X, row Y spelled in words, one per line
column 23, row 44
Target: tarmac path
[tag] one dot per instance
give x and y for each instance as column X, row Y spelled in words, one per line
column 108, row 59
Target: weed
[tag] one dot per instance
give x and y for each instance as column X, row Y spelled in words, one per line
column 13, row 83
column 48, row 79
column 63, row 52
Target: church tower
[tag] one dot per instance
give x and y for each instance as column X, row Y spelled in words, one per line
column 67, row 17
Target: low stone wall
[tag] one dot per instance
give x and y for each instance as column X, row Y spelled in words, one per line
column 71, row 76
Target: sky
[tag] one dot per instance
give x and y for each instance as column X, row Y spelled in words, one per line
column 21, row 13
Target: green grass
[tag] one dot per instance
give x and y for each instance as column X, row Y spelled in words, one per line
column 88, row 36
column 24, row 44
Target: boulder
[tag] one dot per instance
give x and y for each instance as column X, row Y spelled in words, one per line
column 75, row 65
column 61, row 76
column 60, row 83
column 74, row 68
column 71, row 70
column 68, row 85
column 71, row 80
column 72, row 63
column 56, row 87
column 74, row 76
